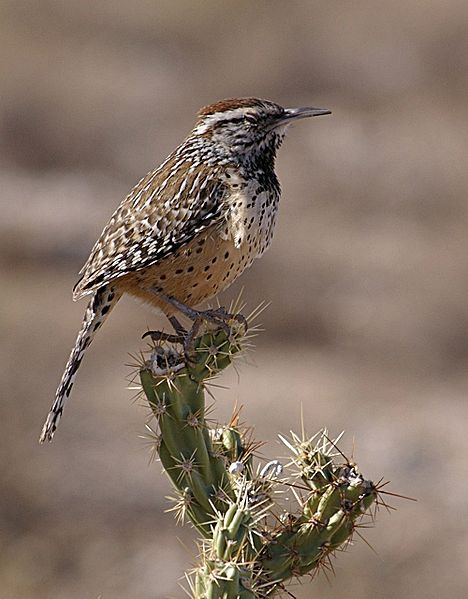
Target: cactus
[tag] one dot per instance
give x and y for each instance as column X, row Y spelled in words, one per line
column 250, row 544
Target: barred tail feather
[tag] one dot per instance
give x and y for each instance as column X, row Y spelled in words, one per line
column 101, row 303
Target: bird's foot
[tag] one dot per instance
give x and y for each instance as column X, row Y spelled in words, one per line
column 178, row 328
column 162, row 336
column 218, row 318
column 186, row 339
column 221, row 318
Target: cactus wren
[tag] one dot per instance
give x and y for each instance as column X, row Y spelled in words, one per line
column 189, row 228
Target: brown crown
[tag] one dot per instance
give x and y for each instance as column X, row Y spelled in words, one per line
column 229, row 104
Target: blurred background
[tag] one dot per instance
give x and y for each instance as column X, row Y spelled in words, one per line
column 367, row 275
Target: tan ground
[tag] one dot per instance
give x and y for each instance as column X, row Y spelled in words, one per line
column 368, row 326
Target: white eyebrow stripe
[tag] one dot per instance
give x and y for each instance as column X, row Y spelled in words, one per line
column 229, row 114
column 217, row 117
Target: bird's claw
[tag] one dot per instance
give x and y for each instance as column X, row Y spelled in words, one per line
column 162, row 336
column 218, row 317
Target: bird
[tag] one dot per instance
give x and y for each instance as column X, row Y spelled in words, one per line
column 190, row 227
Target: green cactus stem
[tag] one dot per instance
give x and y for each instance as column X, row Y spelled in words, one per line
column 176, row 394
column 250, row 544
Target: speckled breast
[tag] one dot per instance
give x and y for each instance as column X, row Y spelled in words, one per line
column 213, row 260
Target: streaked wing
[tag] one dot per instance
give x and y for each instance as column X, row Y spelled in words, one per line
column 164, row 210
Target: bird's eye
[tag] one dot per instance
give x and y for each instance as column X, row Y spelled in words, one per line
column 250, row 119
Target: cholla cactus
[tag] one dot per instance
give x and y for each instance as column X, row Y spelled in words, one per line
column 251, row 545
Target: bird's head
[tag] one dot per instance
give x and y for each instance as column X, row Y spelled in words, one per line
column 249, row 127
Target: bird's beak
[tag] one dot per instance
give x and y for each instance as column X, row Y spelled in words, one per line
column 292, row 114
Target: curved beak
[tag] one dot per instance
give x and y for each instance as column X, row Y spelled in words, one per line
column 292, row 114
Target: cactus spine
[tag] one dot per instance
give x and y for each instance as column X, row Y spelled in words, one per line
column 250, row 544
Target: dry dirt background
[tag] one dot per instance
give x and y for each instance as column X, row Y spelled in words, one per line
column 367, row 276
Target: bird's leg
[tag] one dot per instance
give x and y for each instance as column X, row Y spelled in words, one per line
column 218, row 316
column 190, row 338
column 179, row 337
column 180, row 332
column 178, row 328
column 186, row 339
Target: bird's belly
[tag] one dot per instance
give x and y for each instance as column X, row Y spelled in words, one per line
column 196, row 272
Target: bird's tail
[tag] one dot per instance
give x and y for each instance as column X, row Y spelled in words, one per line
column 101, row 303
